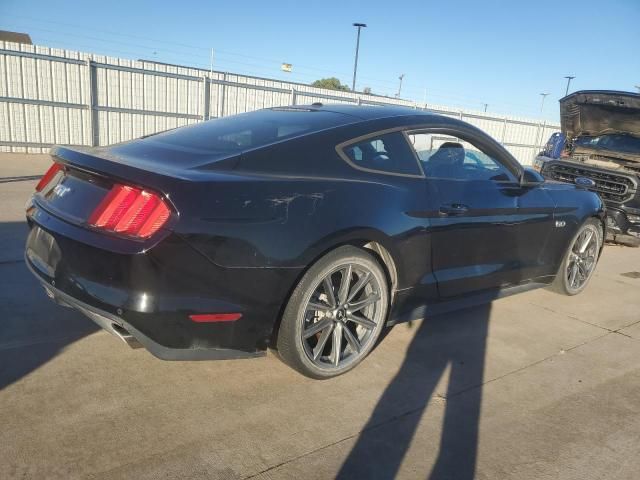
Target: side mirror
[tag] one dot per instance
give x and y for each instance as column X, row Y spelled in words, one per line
column 531, row 178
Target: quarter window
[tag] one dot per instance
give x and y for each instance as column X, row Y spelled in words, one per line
column 388, row 153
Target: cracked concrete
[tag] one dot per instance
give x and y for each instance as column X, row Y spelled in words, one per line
column 533, row 386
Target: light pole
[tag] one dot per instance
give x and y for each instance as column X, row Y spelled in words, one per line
column 569, row 78
column 543, row 95
column 355, row 64
column 485, row 107
column 399, row 86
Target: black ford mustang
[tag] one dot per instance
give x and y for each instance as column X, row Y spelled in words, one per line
column 305, row 229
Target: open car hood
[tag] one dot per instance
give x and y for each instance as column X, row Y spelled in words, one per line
column 600, row 112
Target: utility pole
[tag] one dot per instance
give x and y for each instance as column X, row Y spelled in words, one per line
column 543, row 95
column 485, row 107
column 399, row 86
column 355, row 64
column 569, row 78
column 212, row 62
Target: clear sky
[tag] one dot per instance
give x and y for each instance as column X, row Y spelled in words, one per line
column 463, row 52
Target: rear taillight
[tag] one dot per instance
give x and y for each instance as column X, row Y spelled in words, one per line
column 130, row 211
column 48, row 176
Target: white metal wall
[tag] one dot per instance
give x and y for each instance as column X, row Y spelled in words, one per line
column 51, row 96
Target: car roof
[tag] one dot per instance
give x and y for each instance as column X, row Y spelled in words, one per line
column 363, row 112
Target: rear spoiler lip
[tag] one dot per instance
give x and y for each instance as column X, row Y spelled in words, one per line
column 92, row 162
column 115, row 172
column 100, row 161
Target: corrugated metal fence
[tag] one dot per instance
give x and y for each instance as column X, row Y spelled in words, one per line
column 51, row 96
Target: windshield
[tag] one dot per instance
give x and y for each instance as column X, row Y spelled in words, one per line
column 614, row 142
column 230, row 135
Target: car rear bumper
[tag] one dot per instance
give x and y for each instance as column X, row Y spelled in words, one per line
column 148, row 297
column 134, row 337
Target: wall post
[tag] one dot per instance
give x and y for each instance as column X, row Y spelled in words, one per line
column 94, row 123
column 206, row 96
column 221, row 93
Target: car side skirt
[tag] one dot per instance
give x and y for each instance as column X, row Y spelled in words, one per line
column 460, row 303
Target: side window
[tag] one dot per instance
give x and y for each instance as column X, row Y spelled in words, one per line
column 388, row 153
column 449, row 157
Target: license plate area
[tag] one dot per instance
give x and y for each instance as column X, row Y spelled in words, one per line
column 43, row 251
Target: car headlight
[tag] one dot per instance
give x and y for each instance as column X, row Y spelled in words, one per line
column 538, row 164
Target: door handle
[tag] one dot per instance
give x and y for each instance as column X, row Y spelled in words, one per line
column 453, row 209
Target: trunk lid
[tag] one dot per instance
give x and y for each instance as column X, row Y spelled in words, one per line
column 72, row 194
column 90, row 173
column 87, row 177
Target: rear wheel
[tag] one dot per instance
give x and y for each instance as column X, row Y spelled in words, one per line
column 580, row 261
column 335, row 314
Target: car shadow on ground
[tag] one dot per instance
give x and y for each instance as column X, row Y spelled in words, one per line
column 451, row 344
column 33, row 330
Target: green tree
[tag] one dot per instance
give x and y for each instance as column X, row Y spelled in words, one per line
column 331, row 83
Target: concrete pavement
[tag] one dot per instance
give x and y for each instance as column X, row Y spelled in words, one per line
column 532, row 386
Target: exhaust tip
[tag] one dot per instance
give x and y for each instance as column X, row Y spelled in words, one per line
column 125, row 336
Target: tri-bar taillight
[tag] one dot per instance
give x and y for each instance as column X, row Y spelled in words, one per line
column 48, row 176
column 130, row 211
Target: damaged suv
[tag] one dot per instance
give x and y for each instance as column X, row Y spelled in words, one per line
column 600, row 140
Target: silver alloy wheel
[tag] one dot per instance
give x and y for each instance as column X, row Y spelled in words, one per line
column 582, row 257
column 341, row 315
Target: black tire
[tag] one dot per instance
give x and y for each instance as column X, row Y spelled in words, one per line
column 563, row 282
column 301, row 317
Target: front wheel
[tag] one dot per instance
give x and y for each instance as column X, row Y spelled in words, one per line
column 581, row 258
column 335, row 314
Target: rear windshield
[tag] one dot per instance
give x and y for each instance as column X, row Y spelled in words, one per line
column 613, row 142
column 230, row 135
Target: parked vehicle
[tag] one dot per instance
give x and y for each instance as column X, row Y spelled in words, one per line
column 600, row 140
column 306, row 229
